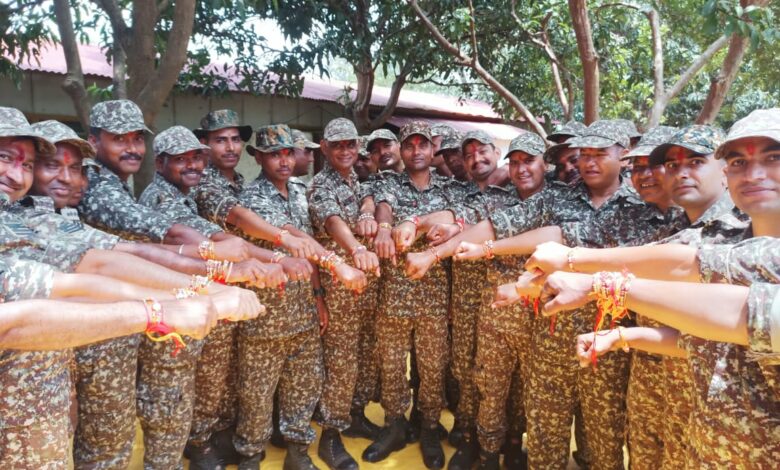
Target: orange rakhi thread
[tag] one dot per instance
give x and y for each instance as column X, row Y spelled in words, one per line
column 611, row 289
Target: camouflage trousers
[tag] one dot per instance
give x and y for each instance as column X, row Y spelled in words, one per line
column 215, row 379
column 678, row 398
column 105, row 387
column 499, row 380
column 43, row 444
column 340, row 346
column 367, row 386
column 467, row 292
column 394, row 337
column 645, row 407
column 557, row 385
column 294, row 365
column 165, row 398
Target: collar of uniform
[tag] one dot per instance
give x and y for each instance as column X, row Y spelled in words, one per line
column 351, row 180
column 624, row 191
column 294, row 185
column 436, row 181
column 41, row 203
column 106, row 173
column 214, row 172
column 160, row 181
column 5, row 200
column 722, row 206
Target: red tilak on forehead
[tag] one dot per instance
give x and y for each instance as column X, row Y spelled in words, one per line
column 20, row 154
column 67, row 157
column 750, row 148
column 678, row 154
column 416, row 139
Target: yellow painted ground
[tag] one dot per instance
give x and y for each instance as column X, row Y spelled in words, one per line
column 407, row 459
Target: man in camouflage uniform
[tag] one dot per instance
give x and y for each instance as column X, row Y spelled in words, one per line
column 166, row 384
column 400, row 199
column 450, row 150
column 334, row 207
column 384, row 149
column 364, row 166
column 217, row 198
column 304, row 155
column 106, row 371
column 283, row 349
column 645, row 402
column 438, row 131
column 601, row 201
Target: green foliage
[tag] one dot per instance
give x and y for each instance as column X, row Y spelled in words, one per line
column 22, row 31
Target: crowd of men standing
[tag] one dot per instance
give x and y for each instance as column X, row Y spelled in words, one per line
column 227, row 314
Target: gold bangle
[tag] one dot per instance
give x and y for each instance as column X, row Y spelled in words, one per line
column 623, row 342
column 386, row 225
column 570, row 260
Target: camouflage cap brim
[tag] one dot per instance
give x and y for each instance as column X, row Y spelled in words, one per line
column 184, row 147
column 551, row 154
column 244, row 132
column 773, row 134
column 252, row 150
column 555, row 136
column 592, row 142
column 42, row 145
column 339, row 136
column 639, row 151
column 126, row 128
column 658, row 155
column 85, row 148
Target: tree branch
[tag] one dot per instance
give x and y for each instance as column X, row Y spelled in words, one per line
column 473, row 28
column 74, row 79
column 589, row 58
column 461, row 59
column 395, row 93
column 114, row 13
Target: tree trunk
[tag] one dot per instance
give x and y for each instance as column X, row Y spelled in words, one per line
column 588, row 57
column 720, row 85
column 74, row 79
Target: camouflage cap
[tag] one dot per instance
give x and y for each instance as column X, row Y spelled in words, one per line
column 118, row 117
column 57, row 132
column 175, row 141
column 601, row 134
column 362, row 150
column 380, row 134
column 301, row 142
column 450, row 141
column 340, row 129
column 415, row 128
column 527, row 142
column 570, row 129
column 222, row 119
column 480, row 136
column 14, row 124
column 271, row 138
column 441, row 130
column 699, row 139
column 650, row 140
column 551, row 154
column 759, row 123
column 630, row 128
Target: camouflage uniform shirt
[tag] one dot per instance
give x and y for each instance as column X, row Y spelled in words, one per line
column 329, row 194
column 295, row 311
column 216, row 195
column 109, row 205
column 181, row 208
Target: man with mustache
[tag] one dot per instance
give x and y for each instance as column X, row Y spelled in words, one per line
column 304, row 155
column 364, row 166
column 217, row 198
column 451, row 151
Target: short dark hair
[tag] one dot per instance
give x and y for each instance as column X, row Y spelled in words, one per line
column 95, row 131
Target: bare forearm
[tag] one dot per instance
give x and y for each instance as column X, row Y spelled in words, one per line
column 166, row 255
column 100, row 288
column 429, row 220
column 180, row 234
column 672, row 262
column 384, row 213
column 252, row 224
column 525, row 243
column 717, row 312
column 52, row 324
column 341, row 233
column 131, row 268
column 661, row 340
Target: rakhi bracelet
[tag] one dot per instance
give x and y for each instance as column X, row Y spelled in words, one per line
column 219, row 271
column 199, row 284
column 330, row 261
column 386, row 225
column 277, row 257
column 461, row 224
column 413, row 219
column 156, row 328
column 623, row 341
column 487, row 249
column 570, row 260
column 278, row 238
column 206, row 250
column 366, row 216
column 435, row 253
column 184, row 293
column 357, row 249
column 610, row 289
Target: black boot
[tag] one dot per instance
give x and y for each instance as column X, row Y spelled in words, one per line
column 391, row 438
column 277, row 440
column 203, row 457
column 488, row 460
column 467, row 454
column 413, row 427
column 250, row 463
column 297, row 457
column 456, row 435
column 333, row 453
column 514, row 457
column 222, row 443
column 430, row 445
column 361, row 426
